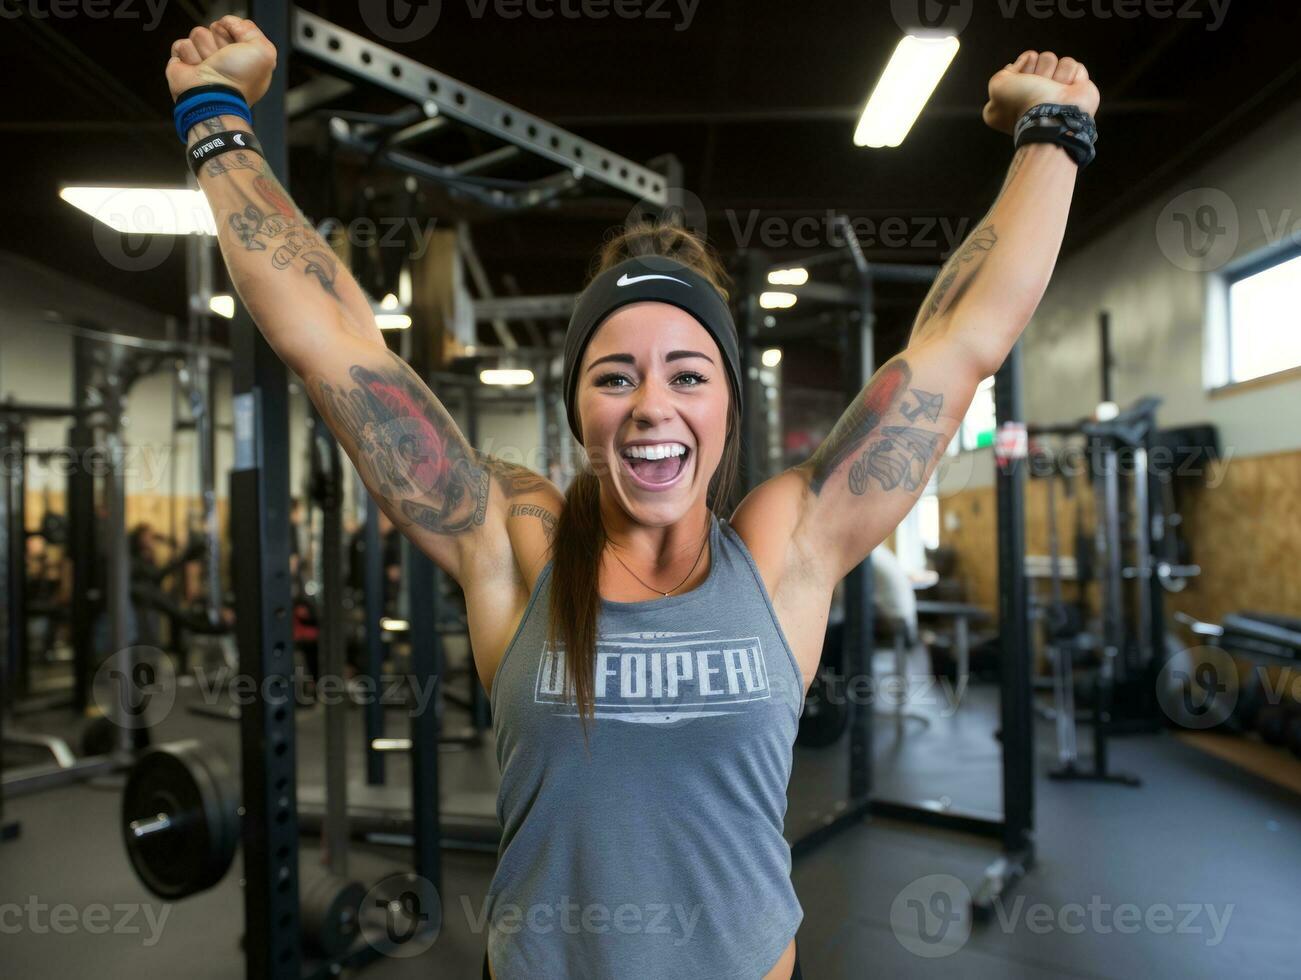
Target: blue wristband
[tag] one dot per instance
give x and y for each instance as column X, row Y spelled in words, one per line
column 204, row 102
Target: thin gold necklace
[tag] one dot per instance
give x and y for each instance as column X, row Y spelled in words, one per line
column 676, row 587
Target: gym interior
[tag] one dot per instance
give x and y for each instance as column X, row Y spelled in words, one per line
column 1055, row 728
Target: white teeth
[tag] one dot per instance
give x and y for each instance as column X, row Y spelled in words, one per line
column 660, row 451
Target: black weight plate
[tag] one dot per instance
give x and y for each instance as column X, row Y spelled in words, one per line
column 193, row 786
column 330, row 909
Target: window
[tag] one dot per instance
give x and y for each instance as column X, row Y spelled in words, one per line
column 1263, row 335
column 977, row 429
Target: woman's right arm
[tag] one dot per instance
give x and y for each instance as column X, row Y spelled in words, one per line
column 410, row 453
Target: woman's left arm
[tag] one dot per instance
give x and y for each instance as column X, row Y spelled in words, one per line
column 876, row 462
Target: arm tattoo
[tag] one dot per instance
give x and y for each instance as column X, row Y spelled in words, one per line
column 900, row 458
column 511, row 478
column 928, row 406
column 409, row 449
column 982, row 240
column 547, row 518
column 269, row 221
column 860, row 420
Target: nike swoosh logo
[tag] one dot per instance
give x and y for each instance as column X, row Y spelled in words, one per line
column 626, row 280
column 239, row 139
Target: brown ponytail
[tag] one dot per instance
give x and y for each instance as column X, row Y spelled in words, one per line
column 580, row 535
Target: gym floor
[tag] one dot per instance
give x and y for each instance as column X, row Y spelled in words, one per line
column 1200, row 837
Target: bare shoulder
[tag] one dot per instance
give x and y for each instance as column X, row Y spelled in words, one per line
column 502, row 568
column 529, row 506
column 771, row 521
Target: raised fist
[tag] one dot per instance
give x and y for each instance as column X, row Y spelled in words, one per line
column 1034, row 78
column 232, row 51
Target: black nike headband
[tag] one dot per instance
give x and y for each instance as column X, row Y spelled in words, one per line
column 647, row 279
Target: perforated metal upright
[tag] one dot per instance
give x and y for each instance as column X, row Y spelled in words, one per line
column 259, row 493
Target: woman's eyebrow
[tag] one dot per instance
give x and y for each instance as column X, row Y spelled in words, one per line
column 673, row 355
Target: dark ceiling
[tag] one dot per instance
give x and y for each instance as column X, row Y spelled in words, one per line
column 757, row 99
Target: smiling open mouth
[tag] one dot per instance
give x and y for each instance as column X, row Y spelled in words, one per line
column 655, row 467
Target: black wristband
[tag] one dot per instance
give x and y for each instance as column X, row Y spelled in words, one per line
column 1066, row 126
column 219, row 143
column 208, row 90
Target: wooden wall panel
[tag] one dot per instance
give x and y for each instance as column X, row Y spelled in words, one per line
column 1244, row 525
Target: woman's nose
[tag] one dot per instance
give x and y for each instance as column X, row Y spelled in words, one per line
column 652, row 402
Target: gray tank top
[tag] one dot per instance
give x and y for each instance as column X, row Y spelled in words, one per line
column 658, row 853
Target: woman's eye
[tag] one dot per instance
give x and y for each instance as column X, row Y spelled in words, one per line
column 692, row 376
column 606, row 379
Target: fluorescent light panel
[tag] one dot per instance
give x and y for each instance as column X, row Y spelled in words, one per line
column 915, row 68
column 145, row 210
column 506, row 376
column 777, row 300
column 392, row 321
column 788, row 277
